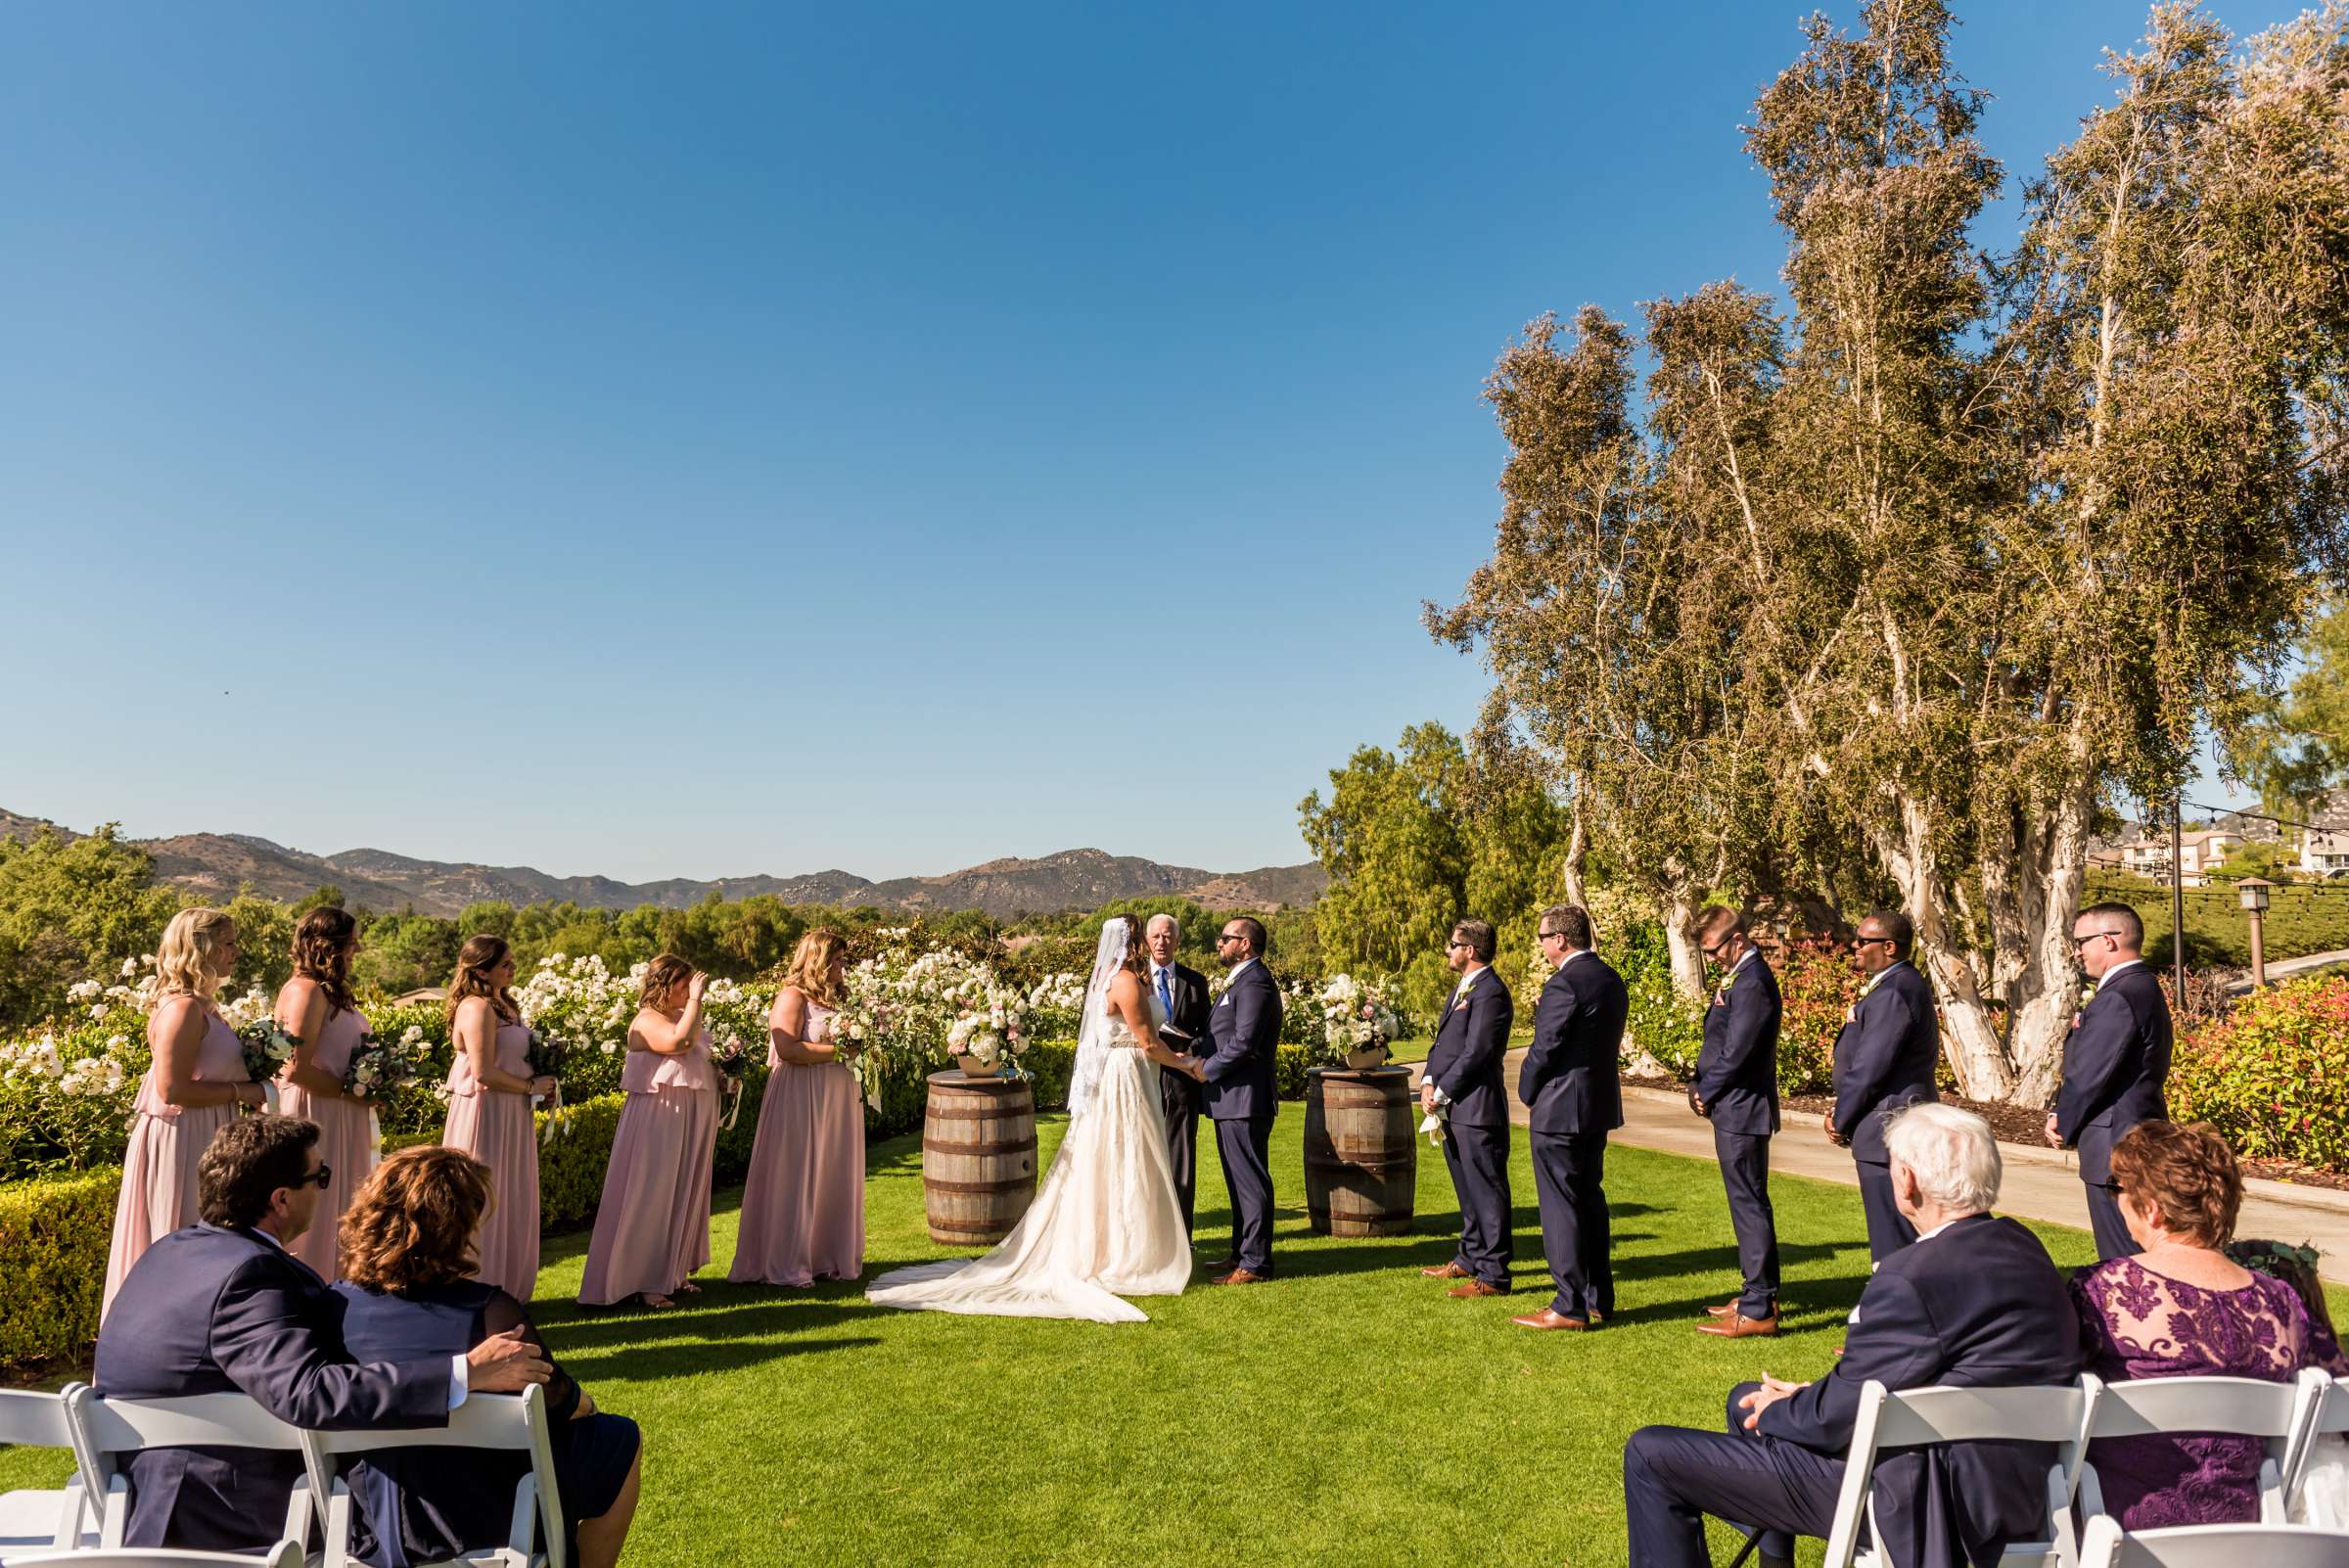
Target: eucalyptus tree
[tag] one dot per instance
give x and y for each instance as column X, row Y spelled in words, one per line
column 1894, row 594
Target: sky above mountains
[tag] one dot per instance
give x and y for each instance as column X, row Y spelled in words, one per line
column 686, row 440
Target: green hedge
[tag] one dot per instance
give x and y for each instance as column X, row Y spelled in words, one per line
column 54, row 1234
column 2273, row 1074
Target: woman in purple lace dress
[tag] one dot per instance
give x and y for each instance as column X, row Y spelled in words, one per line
column 2183, row 1309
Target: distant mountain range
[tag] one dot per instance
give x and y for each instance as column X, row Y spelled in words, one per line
column 217, row 864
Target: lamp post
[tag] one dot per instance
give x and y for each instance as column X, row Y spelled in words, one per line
column 2253, row 890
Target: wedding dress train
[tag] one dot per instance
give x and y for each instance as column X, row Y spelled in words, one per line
column 1105, row 1225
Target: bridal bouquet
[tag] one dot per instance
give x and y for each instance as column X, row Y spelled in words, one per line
column 1356, row 1016
column 992, row 1026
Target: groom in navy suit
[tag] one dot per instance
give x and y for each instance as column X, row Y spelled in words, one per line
column 1237, row 1088
column 1463, row 1084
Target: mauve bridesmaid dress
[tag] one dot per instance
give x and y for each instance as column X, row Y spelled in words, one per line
column 802, row 1207
column 495, row 1127
column 158, row 1168
column 346, row 1136
column 652, row 1226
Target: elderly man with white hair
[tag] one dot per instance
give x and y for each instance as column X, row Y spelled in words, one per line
column 1974, row 1301
column 1182, row 992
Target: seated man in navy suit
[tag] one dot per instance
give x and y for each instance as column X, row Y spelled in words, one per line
column 1975, row 1301
column 220, row 1305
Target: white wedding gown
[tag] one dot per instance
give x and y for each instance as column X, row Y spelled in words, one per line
column 1105, row 1225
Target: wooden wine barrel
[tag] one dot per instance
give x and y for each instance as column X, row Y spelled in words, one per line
column 1361, row 1157
column 978, row 1157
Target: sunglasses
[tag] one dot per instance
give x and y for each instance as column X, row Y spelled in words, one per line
column 320, row 1176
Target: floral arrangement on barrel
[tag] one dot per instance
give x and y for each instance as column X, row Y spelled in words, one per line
column 1359, row 1022
column 991, row 1034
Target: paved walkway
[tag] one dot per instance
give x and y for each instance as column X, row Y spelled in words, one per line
column 2287, row 968
column 2039, row 1183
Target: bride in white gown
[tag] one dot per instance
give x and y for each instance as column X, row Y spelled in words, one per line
column 1106, row 1222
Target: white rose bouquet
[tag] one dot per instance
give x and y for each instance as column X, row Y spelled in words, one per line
column 1357, row 1016
column 991, row 1031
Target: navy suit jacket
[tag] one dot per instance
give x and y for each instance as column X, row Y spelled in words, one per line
column 1571, row 1082
column 2114, row 1067
column 207, row 1311
column 1244, row 1025
column 1885, row 1059
column 1737, row 1070
column 1465, row 1060
column 1979, row 1304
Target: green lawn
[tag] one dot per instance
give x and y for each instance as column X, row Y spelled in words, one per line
column 1347, row 1414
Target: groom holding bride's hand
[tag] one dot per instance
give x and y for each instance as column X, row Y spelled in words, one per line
column 1244, row 1029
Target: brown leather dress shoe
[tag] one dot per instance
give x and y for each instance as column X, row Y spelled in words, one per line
column 1449, row 1271
column 1547, row 1318
column 1239, row 1276
column 1724, row 1310
column 1739, row 1327
column 1477, row 1287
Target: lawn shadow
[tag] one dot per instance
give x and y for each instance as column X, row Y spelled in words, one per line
column 685, row 1359
column 743, row 1312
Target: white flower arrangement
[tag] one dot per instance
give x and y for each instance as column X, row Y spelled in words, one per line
column 1356, row 1016
column 993, row 1025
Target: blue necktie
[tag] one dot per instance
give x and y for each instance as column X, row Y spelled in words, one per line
column 1164, row 999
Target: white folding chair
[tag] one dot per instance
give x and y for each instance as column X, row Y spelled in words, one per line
column 106, row 1429
column 2325, row 1414
column 2239, row 1406
column 502, row 1421
column 1922, row 1417
column 285, row 1554
column 30, row 1520
column 2240, row 1545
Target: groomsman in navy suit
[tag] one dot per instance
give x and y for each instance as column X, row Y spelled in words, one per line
column 1463, row 1084
column 2116, row 1063
column 221, row 1306
column 1237, row 1088
column 1737, row 1090
column 1884, row 1063
column 1571, row 1088
column 1182, row 992
column 1975, row 1303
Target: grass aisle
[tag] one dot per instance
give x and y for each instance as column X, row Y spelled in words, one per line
column 1347, row 1414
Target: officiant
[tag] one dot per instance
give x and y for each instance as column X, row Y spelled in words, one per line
column 1182, row 992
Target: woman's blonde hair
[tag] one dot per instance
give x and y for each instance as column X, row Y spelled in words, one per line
column 662, row 976
column 481, row 955
column 810, row 968
column 187, row 961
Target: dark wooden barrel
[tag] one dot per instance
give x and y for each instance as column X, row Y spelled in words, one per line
column 1361, row 1157
column 978, row 1157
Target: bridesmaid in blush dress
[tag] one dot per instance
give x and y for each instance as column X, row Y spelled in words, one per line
column 193, row 1089
column 803, row 1206
column 316, row 1008
column 652, row 1227
column 490, row 1089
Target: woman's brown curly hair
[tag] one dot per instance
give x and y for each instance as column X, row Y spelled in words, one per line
column 664, row 975
column 322, row 948
column 411, row 1225
column 481, row 955
column 2186, row 1175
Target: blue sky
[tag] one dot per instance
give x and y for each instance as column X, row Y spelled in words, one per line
column 724, row 438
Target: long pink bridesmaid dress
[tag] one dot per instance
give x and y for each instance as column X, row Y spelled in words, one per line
column 652, row 1226
column 345, row 1138
column 167, row 1140
column 802, row 1208
column 495, row 1127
